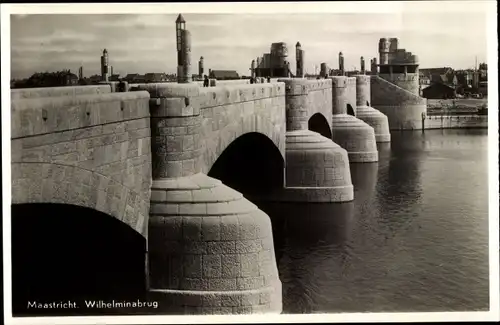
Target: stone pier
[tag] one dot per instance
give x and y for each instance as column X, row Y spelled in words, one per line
column 352, row 134
column 368, row 114
column 210, row 249
column 317, row 169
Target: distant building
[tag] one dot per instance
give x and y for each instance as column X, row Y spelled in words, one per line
column 114, row 77
column 443, row 75
column 438, row 91
column 465, row 80
column 336, row 72
column 464, row 77
column 224, row 75
column 274, row 64
column 48, row 79
column 483, row 88
column 155, row 77
column 424, row 80
column 95, row 79
column 70, row 79
column 352, row 73
column 134, row 78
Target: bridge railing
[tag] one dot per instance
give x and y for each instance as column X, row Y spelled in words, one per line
column 39, row 115
column 26, row 93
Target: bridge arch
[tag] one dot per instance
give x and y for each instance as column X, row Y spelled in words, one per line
column 217, row 142
column 350, row 110
column 78, row 254
column 35, row 182
column 318, row 123
column 251, row 164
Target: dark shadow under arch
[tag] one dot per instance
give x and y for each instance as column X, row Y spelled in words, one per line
column 318, row 123
column 251, row 164
column 70, row 253
column 350, row 110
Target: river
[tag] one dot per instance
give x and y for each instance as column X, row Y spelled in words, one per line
column 415, row 238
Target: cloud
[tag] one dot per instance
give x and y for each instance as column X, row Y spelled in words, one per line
column 143, row 43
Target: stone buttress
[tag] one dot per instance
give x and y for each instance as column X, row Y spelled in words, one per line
column 210, row 250
column 317, row 169
column 352, row 134
column 368, row 114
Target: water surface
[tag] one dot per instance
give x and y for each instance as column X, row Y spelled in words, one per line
column 414, row 239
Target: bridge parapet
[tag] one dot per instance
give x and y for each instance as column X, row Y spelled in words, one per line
column 26, row 93
column 304, row 98
column 192, row 125
column 34, row 116
column 339, row 82
column 204, row 97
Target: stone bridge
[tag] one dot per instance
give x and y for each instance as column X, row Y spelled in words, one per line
column 178, row 164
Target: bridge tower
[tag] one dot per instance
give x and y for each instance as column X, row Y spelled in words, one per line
column 258, row 67
column 401, row 67
column 183, row 51
column 341, row 64
column 383, row 50
column 279, row 53
column 104, row 66
column 373, row 66
column 299, row 57
column 201, row 67
column 395, row 91
column 393, row 48
column 323, row 72
column 252, row 69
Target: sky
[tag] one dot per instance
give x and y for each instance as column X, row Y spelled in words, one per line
column 141, row 43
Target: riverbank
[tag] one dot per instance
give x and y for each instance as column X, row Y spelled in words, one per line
column 456, row 122
column 460, row 106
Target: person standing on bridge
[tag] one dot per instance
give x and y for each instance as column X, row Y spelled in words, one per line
column 205, row 81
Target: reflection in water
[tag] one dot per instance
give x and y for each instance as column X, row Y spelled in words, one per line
column 414, row 238
column 327, row 233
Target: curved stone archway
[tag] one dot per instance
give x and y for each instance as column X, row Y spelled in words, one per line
column 318, row 123
column 64, row 252
column 63, row 184
column 251, row 164
column 217, row 144
column 350, row 110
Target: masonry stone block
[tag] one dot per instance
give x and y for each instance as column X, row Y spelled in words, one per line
column 402, row 107
column 309, row 157
column 368, row 114
column 218, row 248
